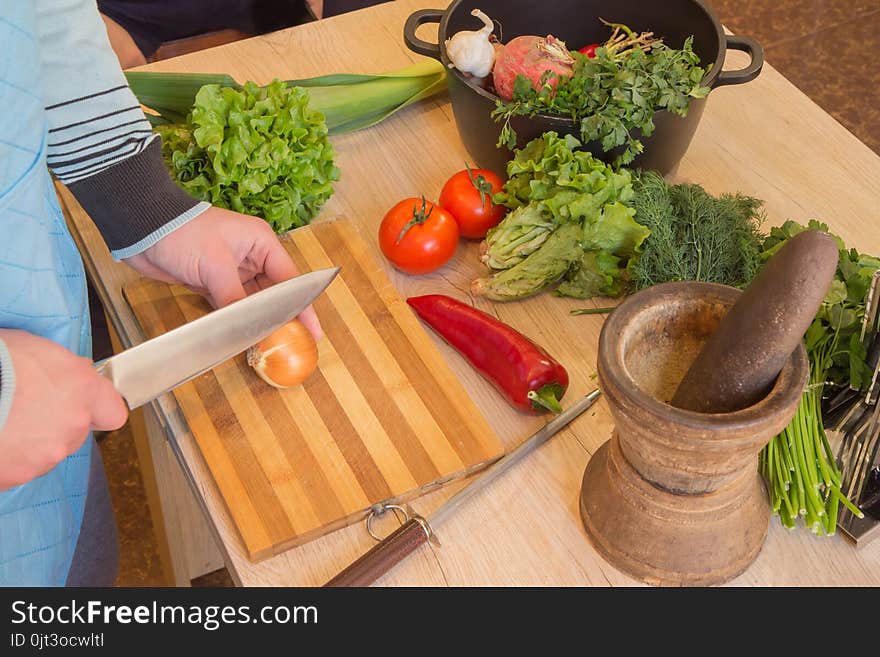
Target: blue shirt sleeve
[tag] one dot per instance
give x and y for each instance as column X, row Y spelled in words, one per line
column 99, row 142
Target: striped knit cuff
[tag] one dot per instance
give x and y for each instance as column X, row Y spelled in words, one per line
column 133, row 199
column 7, row 383
column 155, row 236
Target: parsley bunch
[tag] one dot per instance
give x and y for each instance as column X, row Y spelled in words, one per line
column 613, row 94
column 799, row 465
column 833, row 340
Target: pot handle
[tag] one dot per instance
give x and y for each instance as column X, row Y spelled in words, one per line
column 413, row 42
column 750, row 72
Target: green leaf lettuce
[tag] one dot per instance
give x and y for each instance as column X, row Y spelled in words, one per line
column 552, row 185
column 256, row 150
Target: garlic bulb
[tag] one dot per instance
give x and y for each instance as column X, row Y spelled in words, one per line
column 471, row 51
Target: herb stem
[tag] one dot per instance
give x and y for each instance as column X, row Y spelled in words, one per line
column 592, row 311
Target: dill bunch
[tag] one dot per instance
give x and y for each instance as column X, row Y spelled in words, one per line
column 695, row 236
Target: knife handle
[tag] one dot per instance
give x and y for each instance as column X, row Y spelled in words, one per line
column 384, row 555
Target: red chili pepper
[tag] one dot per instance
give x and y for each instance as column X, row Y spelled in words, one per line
column 521, row 370
column 590, row 50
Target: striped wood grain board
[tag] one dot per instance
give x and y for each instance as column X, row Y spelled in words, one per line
column 383, row 418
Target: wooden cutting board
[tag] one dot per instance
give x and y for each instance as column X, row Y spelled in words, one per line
column 382, row 419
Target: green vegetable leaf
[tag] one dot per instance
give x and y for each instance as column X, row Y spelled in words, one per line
column 519, row 234
column 553, row 184
column 256, row 150
column 543, row 267
column 616, row 231
column 859, row 372
column 814, row 334
column 598, row 273
column 610, row 241
column 837, row 292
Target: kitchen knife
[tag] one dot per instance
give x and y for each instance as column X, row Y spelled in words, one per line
column 418, row 530
column 156, row 366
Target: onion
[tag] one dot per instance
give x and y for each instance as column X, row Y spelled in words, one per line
column 287, row 357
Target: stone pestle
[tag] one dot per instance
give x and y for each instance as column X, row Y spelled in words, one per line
column 738, row 364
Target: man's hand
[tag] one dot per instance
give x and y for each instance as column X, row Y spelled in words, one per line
column 58, row 399
column 223, row 255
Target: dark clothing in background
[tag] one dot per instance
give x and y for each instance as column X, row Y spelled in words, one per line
column 96, row 556
column 334, row 7
column 154, row 22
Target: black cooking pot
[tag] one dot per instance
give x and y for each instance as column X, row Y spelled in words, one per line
column 577, row 23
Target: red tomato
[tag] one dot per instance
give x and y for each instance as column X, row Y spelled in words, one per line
column 468, row 197
column 590, row 50
column 418, row 236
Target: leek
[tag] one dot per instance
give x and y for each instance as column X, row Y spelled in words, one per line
column 348, row 101
column 264, row 150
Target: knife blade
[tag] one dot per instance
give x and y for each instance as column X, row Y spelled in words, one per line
column 160, row 364
column 537, row 439
column 417, row 530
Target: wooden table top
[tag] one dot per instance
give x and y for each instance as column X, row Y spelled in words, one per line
column 764, row 138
